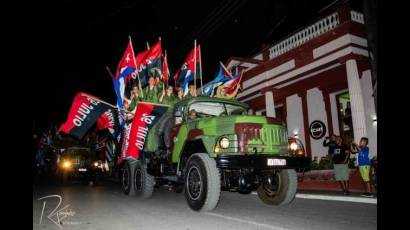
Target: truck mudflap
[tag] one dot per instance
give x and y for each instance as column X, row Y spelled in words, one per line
column 263, row 162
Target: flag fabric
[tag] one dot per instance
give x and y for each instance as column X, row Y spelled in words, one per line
column 119, row 88
column 165, row 70
column 125, row 140
column 146, row 116
column 221, row 77
column 127, row 63
column 149, row 62
column 186, row 74
column 84, row 112
column 231, row 85
column 126, row 67
column 109, row 120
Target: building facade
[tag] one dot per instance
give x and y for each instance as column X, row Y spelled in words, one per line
column 318, row 80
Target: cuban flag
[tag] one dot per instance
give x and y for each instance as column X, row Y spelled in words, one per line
column 231, row 85
column 126, row 67
column 221, row 77
column 186, row 74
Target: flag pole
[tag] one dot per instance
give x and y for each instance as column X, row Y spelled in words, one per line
column 147, row 46
column 136, row 67
column 166, row 60
column 223, row 66
column 200, row 69
column 109, row 72
column 97, row 99
column 195, row 65
column 240, row 79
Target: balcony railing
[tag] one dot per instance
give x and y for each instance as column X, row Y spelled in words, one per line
column 357, row 17
column 305, row 35
column 322, row 26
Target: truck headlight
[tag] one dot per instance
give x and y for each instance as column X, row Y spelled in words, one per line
column 224, row 142
column 66, row 164
column 96, row 164
column 295, row 147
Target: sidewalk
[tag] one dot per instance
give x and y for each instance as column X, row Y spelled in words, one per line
column 323, row 181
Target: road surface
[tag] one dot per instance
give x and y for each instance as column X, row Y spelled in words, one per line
column 106, row 207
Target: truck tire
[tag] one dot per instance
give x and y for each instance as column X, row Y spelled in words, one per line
column 202, row 183
column 127, row 177
column 286, row 191
column 143, row 182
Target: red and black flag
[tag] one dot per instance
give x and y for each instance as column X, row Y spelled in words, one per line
column 146, row 116
column 149, row 63
column 84, row 112
column 109, row 120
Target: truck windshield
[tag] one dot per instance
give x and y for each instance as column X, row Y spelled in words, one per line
column 210, row 109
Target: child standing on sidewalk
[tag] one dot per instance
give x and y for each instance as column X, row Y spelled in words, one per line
column 364, row 162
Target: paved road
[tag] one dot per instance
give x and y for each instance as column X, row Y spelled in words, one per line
column 106, row 207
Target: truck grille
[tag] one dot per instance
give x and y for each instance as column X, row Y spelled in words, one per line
column 261, row 138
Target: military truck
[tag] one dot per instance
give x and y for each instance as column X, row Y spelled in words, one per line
column 204, row 145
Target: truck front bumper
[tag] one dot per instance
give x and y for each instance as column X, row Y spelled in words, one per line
column 263, row 162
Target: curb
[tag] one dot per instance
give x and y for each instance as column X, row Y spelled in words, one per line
column 365, row 200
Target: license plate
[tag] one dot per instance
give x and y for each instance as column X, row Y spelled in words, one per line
column 276, row 162
column 82, row 170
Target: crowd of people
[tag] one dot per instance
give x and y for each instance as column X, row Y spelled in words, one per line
column 155, row 92
column 340, row 155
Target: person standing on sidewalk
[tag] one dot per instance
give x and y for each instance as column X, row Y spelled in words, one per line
column 340, row 159
column 364, row 162
column 331, row 144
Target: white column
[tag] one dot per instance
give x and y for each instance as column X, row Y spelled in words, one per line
column 370, row 111
column 356, row 100
column 250, row 111
column 269, row 103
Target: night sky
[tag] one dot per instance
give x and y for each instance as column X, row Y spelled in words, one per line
column 79, row 38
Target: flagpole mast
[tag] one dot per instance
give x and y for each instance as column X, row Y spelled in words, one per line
column 195, row 65
column 136, row 67
column 97, row 99
column 223, row 66
column 166, row 59
column 200, row 69
column 109, row 72
column 240, row 79
column 147, row 46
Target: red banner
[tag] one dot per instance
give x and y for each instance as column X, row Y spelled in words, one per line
column 145, row 117
column 84, row 112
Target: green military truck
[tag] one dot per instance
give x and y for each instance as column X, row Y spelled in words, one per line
column 204, row 145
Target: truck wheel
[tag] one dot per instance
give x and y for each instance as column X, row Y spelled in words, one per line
column 285, row 192
column 202, row 183
column 143, row 182
column 128, row 178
